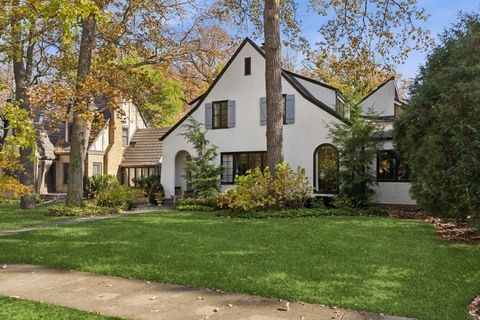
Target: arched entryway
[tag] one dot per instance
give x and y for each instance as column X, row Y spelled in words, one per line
column 325, row 169
column 180, row 174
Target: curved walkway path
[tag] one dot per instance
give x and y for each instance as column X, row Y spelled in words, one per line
column 135, row 299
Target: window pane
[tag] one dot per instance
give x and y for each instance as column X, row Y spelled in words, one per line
column 220, row 114
column 227, row 163
column 66, row 171
column 131, row 176
column 97, row 169
column 255, row 160
column 386, row 165
column 125, row 136
column 239, row 163
column 145, row 172
column 125, row 175
column 327, row 169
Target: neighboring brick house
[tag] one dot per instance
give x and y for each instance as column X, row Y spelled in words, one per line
column 105, row 147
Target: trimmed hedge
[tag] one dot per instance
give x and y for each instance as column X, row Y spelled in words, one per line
column 300, row 213
column 61, row 210
column 205, row 202
column 194, row 207
column 9, row 201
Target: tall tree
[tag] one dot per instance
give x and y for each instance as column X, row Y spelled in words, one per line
column 438, row 133
column 207, row 50
column 81, row 119
column 273, row 83
column 26, row 27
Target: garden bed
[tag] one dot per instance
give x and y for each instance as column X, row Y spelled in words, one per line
column 447, row 229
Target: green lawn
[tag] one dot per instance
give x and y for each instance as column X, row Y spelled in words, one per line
column 18, row 309
column 12, row 217
column 374, row 264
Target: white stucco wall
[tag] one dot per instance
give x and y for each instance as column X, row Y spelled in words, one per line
column 382, row 100
column 300, row 139
column 393, row 192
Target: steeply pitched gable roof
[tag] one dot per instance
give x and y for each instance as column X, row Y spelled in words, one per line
column 378, row 88
column 144, row 148
column 287, row 75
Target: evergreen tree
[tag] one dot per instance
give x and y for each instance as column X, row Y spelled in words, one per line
column 357, row 145
column 438, row 134
column 202, row 174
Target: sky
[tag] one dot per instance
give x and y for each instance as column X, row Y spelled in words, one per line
column 442, row 14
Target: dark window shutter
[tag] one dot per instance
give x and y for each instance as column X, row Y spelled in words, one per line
column 263, row 111
column 231, row 113
column 208, row 115
column 248, row 66
column 290, row 109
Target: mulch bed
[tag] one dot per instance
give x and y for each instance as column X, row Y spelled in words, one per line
column 447, row 229
column 475, row 308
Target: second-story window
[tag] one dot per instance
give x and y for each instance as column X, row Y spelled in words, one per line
column 219, row 114
column 125, row 136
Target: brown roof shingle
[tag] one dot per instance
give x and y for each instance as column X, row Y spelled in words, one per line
column 145, row 148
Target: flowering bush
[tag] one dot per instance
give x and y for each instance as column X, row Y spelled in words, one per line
column 258, row 190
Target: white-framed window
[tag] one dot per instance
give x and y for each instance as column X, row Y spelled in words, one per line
column 97, row 169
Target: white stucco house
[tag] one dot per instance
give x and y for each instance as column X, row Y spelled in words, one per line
column 233, row 111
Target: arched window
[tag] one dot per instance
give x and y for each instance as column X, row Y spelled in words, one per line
column 326, row 169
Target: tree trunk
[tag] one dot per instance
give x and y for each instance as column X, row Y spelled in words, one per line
column 81, row 126
column 273, row 80
column 22, row 81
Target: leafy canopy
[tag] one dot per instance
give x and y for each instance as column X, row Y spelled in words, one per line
column 438, row 133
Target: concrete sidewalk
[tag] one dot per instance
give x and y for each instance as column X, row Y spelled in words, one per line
column 133, row 299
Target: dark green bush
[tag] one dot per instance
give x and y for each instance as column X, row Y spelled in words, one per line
column 123, row 197
column 89, row 210
column 95, row 184
column 151, row 186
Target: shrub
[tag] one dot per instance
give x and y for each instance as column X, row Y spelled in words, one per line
column 258, row 190
column 9, row 201
column 151, row 186
column 123, row 197
column 206, row 202
column 95, row 184
column 342, row 202
column 303, row 213
column 315, row 202
column 89, row 210
column 194, row 207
